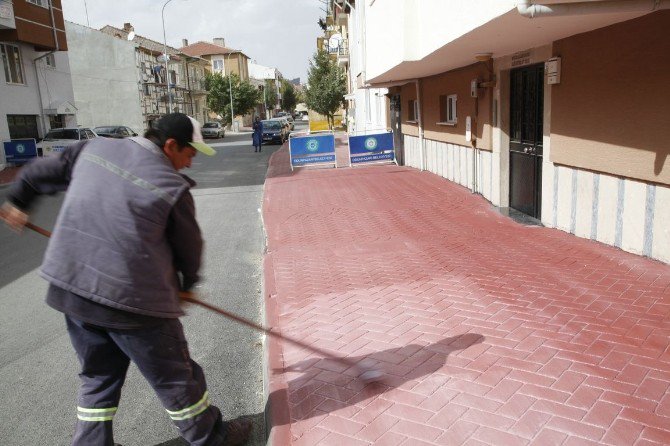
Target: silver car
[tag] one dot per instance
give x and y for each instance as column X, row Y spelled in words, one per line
column 213, row 130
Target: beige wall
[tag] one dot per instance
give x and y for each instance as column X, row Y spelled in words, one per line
column 611, row 111
column 453, row 82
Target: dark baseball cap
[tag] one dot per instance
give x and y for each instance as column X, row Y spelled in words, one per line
column 185, row 130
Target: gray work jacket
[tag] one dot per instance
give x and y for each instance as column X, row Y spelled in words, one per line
column 109, row 244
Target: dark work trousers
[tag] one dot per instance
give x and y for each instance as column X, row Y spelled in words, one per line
column 161, row 354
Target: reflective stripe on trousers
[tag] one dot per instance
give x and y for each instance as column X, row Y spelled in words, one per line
column 96, row 414
column 191, row 411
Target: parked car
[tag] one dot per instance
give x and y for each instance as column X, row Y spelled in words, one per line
column 213, row 130
column 115, row 131
column 57, row 139
column 274, row 131
column 289, row 118
column 284, row 122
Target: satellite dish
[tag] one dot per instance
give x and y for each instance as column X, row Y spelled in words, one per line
column 335, row 41
column 131, row 35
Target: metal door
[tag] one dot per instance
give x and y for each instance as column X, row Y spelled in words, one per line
column 396, row 127
column 526, row 116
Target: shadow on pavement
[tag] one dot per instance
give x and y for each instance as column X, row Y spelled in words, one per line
column 348, row 388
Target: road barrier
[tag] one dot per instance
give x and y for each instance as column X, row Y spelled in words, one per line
column 19, row 151
column 371, row 148
column 312, row 149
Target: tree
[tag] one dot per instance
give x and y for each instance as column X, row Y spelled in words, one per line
column 327, row 86
column 289, row 96
column 271, row 95
column 245, row 95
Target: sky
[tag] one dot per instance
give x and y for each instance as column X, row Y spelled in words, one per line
column 274, row 33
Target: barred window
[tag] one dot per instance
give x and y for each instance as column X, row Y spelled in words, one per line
column 12, row 63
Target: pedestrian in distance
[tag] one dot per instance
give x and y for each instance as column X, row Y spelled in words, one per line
column 258, row 134
column 126, row 243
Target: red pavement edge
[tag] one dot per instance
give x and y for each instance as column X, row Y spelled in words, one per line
column 8, row 174
column 277, row 388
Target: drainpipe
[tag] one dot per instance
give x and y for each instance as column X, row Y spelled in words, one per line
column 419, row 119
column 529, row 10
column 37, row 74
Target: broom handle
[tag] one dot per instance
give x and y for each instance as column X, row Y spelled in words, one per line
column 188, row 298
column 31, row 226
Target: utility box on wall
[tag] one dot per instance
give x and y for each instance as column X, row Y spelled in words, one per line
column 552, row 68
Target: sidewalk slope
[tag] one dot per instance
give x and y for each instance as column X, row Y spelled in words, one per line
column 488, row 332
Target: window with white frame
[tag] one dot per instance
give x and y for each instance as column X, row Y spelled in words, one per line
column 50, row 61
column 448, row 109
column 217, row 65
column 12, row 63
column 42, row 3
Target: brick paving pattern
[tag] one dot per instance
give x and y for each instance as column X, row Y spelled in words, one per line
column 488, row 332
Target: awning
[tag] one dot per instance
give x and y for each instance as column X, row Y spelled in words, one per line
column 61, row 108
column 501, row 36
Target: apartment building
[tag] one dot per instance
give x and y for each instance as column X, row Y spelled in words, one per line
column 367, row 106
column 558, row 111
column 224, row 61
column 260, row 76
column 180, row 88
column 35, row 88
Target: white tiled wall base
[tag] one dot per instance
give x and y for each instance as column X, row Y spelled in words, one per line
column 454, row 163
column 628, row 214
column 621, row 212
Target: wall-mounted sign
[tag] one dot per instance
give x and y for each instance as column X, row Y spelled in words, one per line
column 521, row 58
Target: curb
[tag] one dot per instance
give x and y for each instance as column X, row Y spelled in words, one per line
column 277, row 418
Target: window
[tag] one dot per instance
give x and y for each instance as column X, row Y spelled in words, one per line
column 22, row 126
column 50, row 61
column 217, row 65
column 56, row 122
column 42, row 3
column 368, row 110
column 11, row 61
column 413, row 110
column 448, row 110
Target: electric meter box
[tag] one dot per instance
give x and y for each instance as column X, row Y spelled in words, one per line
column 473, row 88
column 552, row 68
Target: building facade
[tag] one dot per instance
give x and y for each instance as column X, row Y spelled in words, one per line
column 367, row 107
column 179, row 88
column 35, row 86
column 221, row 60
column 105, row 79
column 555, row 110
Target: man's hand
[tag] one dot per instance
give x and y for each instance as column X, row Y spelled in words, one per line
column 14, row 217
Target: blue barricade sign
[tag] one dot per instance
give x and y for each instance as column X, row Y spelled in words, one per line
column 20, row 150
column 312, row 149
column 368, row 148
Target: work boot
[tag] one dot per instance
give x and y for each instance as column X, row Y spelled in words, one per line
column 237, row 432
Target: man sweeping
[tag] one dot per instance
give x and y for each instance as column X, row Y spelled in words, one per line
column 125, row 244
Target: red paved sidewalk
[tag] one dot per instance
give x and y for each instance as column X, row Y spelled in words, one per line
column 488, row 332
column 8, row 174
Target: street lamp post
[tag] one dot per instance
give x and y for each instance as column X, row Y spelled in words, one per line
column 165, row 57
column 230, row 90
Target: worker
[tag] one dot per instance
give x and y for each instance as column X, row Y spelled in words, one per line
column 125, row 244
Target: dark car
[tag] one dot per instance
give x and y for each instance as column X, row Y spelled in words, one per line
column 114, row 131
column 274, row 132
column 213, row 130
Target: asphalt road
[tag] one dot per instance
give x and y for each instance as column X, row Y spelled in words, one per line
column 38, row 368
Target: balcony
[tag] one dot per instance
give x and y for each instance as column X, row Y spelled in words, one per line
column 340, row 52
column 7, row 20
